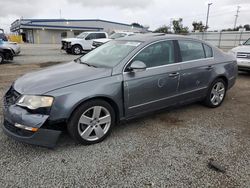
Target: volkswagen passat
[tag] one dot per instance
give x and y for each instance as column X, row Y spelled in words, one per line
column 120, row 80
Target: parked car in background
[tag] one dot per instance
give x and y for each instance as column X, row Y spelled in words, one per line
column 82, row 43
column 6, row 53
column 242, row 53
column 119, row 80
column 2, row 35
column 99, row 42
column 13, row 45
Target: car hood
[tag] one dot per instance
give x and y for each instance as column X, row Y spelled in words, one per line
column 56, row 77
column 243, row 48
column 71, row 39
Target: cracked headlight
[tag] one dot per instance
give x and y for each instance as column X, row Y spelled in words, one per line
column 34, row 102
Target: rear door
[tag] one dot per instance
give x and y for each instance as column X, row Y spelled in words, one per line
column 157, row 86
column 196, row 69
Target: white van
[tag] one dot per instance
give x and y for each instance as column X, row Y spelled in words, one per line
column 82, row 43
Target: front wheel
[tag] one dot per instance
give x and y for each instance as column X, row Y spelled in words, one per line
column 91, row 122
column 216, row 93
column 76, row 49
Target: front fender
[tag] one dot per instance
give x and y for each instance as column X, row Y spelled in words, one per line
column 69, row 98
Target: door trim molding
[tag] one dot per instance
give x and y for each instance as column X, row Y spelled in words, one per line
column 150, row 102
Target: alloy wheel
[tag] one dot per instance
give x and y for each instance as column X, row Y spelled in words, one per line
column 77, row 50
column 94, row 123
column 217, row 93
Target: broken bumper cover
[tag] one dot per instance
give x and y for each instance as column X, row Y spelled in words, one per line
column 42, row 137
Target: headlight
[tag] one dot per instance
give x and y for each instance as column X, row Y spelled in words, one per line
column 35, row 102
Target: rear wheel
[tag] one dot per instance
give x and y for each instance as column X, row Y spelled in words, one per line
column 1, row 58
column 77, row 49
column 216, row 93
column 91, row 122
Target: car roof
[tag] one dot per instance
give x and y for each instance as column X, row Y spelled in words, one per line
column 150, row 37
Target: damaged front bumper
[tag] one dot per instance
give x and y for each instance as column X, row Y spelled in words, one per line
column 15, row 115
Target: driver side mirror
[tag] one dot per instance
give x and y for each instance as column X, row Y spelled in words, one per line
column 137, row 66
column 241, row 43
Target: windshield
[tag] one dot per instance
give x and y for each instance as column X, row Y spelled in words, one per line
column 247, row 42
column 109, row 54
column 82, row 35
column 117, row 35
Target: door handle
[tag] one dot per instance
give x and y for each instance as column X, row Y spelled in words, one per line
column 174, row 74
column 210, row 67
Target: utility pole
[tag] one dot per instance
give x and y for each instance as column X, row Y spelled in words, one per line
column 208, row 8
column 236, row 16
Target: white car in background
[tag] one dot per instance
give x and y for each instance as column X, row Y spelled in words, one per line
column 99, row 42
column 242, row 53
column 82, row 43
column 12, row 45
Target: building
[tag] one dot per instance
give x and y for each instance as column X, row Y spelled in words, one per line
column 51, row 31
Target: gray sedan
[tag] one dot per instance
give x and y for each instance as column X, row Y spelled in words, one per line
column 120, row 80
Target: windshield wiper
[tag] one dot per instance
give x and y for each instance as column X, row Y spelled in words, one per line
column 85, row 63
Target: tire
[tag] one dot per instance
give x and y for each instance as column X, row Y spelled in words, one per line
column 1, row 58
column 83, row 122
column 76, row 50
column 216, row 93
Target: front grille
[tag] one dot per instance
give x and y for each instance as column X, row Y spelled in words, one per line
column 11, row 97
column 65, row 45
column 243, row 55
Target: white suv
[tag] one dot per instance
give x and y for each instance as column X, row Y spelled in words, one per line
column 82, row 43
column 242, row 53
column 99, row 42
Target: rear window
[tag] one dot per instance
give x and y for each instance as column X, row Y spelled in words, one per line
column 208, row 51
column 191, row 50
column 100, row 35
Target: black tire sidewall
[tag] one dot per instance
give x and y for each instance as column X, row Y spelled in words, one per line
column 208, row 99
column 72, row 125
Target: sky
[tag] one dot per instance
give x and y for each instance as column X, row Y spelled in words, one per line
column 152, row 13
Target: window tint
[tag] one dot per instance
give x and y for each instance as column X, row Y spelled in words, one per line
column 208, row 51
column 191, row 50
column 157, row 54
column 100, row 35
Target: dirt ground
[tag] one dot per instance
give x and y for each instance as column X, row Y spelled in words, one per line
column 167, row 149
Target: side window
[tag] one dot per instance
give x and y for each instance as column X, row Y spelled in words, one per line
column 191, row 50
column 100, row 35
column 161, row 53
column 91, row 36
column 208, row 51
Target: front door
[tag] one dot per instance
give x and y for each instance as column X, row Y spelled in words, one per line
column 157, row 86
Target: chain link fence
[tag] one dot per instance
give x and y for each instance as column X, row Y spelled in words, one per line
column 224, row 40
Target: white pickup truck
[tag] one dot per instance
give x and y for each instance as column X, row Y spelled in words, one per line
column 116, row 35
column 82, row 43
column 242, row 53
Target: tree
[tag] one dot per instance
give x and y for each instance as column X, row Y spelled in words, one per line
column 178, row 27
column 162, row 29
column 247, row 27
column 198, row 26
column 137, row 25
